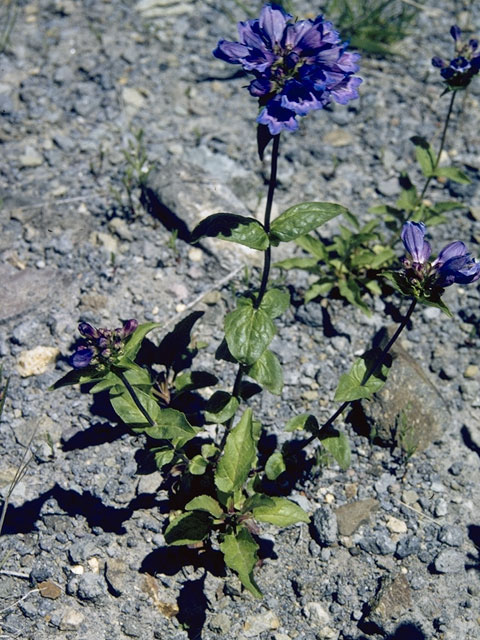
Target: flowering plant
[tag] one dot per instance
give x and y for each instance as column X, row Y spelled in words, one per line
column 459, row 71
column 298, row 66
column 222, row 484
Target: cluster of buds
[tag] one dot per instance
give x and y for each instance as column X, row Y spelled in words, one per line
column 454, row 263
column 458, row 73
column 101, row 346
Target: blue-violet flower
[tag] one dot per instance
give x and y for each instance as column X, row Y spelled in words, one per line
column 454, row 263
column 458, row 73
column 298, row 66
column 101, row 346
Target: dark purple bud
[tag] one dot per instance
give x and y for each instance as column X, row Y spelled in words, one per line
column 413, row 237
column 129, row 326
column 82, row 357
column 88, row 331
column 473, row 44
column 455, row 32
column 438, row 62
column 102, row 342
column 106, row 353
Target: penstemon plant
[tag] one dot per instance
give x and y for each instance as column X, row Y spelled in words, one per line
column 351, row 264
column 219, row 485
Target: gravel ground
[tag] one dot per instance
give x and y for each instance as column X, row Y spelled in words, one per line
column 393, row 549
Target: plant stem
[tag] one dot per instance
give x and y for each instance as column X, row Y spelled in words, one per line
column 325, row 426
column 266, row 221
column 135, row 398
column 442, row 144
column 266, row 267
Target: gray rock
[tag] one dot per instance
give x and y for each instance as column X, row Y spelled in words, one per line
column 451, row 535
column 449, row 561
column 221, row 623
column 115, row 575
column 350, row 516
column 324, row 526
column 381, row 543
column 406, row 411
column 25, row 290
column 91, row 588
column 391, row 602
column 407, row 546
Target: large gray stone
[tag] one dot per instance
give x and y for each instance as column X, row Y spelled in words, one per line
column 350, row 516
column 408, row 410
column 26, row 290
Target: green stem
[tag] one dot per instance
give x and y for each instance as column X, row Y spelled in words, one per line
column 326, row 425
column 442, row 144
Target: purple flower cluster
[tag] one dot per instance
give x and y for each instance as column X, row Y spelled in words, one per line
column 453, row 265
column 460, row 70
column 100, row 345
column 298, row 66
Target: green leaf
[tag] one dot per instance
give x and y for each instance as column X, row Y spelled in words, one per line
column 238, row 457
column 357, row 383
column 205, row 503
column 221, row 407
column 337, row 445
column 240, row 552
column 442, row 207
column 134, row 342
column 190, row 380
column 425, row 155
column 275, row 302
column 163, row 456
column 280, row 511
column 452, row 173
column 267, row 370
column 317, row 289
column 303, row 421
column 297, row 263
column 274, row 466
column 313, row 246
column 188, row 528
column 197, row 465
column 79, row 376
column 127, row 409
column 408, row 199
column 302, row 218
column 234, row 228
column 208, row 450
column 172, row 425
column 248, row 332
column 107, row 382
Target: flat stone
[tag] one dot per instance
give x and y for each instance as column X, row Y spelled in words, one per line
column 471, row 371
column 34, row 362
column 30, row 158
column 115, row 574
column 71, row 619
column 350, row 516
column 449, row 561
column 338, row 138
column 391, row 602
column 49, row 590
column 23, row 291
column 259, row 623
column 408, row 410
column 395, row 525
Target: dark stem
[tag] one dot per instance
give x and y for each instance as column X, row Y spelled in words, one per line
column 325, row 426
column 266, row 221
column 266, row 267
column 135, row 398
column 442, row 144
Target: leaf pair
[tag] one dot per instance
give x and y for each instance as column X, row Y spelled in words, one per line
column 292, row 223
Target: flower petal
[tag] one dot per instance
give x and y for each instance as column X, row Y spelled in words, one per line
column 413, row 238
column 273, row 21
column 277, row 118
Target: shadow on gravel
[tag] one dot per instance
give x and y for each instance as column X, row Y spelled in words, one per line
column 156, row 208
column 468, row 441
column 406, row 631
column 110, row 519
column 95, row 435
column 474, row 535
